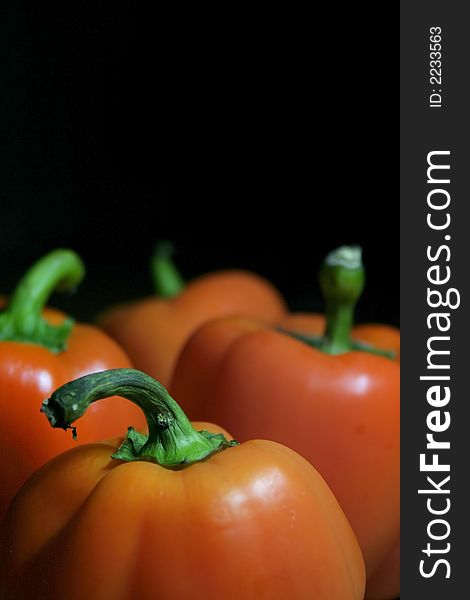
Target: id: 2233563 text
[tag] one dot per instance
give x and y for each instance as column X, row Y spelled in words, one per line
column 435, row 67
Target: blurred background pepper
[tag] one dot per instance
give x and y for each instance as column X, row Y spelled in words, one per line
column 152, row 330
column 41, row 349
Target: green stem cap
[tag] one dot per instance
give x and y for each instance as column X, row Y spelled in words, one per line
column 167, row 280
column 172, row 441
column 341, row 282
column 318, row 342
column 22, row 321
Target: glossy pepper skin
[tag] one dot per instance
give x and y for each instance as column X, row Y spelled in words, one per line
column 233, row 521
column 30, row 371
column 153, row 330
column 339, row 409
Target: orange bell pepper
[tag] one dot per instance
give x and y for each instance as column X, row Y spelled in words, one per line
column 335, row 405
column 40, row 350
column 153, row 330
column 179, row 514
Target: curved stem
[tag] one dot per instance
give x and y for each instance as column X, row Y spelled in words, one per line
column 172, row 441
column 341, row 281
column 167, row 280
column 60, row 270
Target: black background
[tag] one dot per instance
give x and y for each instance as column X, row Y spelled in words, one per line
column 251, row 139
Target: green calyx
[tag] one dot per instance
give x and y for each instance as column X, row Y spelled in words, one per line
column 22, row 321
column 342, row 279
column 317, row 341
column 172, row 441
column 167, row 280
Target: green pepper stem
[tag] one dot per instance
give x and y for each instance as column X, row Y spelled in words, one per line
column 341, row 281
column 22, row 321
column 167, row 280
column 172, row 441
